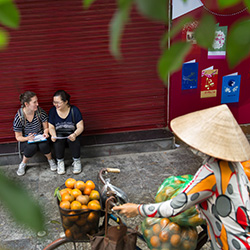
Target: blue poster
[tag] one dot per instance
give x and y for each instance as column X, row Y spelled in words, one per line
column 190, row 75
column 230, row 91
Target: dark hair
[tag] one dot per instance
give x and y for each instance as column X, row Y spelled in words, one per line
column 63, row 94
column 26, row 97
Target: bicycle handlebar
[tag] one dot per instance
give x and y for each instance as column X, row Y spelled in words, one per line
column 109, row 170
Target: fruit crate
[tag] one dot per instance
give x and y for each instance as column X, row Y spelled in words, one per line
column 79, row 223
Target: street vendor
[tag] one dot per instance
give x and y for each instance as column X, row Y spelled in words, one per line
column 220, row 187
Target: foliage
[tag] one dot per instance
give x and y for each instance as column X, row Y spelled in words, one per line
column 20, row 204
column 173, row 55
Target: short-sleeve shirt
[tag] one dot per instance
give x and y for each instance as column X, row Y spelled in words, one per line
column 26, row 127
column 68, row 122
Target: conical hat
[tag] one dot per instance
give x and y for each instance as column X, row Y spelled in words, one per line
column 213, row 131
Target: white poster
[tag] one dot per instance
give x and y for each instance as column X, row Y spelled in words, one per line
column 180, row 8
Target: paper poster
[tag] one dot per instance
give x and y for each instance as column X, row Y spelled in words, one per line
column 181, row 8
column 209, row 79
column 230, row 88
column 187, row 35
column 218, row 50
column 190, row 75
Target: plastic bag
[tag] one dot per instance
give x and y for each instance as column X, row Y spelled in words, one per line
column 161, row 233
column 170, row 188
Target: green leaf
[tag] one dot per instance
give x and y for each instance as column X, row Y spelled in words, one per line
column 227, row 3
column 116, row 27
column 57, row 194
column 171, row 60
column 154, row 9
column 175, row 30
column 9, row 14
column 238, row 43
column 4, row 39
column 87, row 3
column 205, row 32
column 20, row 204
column 247, row 3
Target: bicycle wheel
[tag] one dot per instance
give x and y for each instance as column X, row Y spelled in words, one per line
column 64, row 243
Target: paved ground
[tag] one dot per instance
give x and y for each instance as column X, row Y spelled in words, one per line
column 141, row 174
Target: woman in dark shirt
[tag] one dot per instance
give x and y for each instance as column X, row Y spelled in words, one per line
column 31, row 120
column 65, row 126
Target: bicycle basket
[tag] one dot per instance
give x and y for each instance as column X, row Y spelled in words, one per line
column 77, row 224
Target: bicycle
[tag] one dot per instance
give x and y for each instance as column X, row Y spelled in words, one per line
column 115, row 196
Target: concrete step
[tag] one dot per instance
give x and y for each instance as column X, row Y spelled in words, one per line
column 103, row 145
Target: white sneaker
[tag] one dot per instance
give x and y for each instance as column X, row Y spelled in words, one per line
column 52, row 164
column 77, row 166
column 60, row 167
column 21, row 169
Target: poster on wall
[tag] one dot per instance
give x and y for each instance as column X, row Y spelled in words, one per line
column 209, row 79
column 230, row 88
column 218, row 50
column 189, row 75
column 188, row 36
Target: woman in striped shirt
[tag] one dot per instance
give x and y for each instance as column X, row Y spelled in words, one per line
column 30, row 121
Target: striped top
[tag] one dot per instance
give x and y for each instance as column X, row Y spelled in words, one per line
column 35, row 126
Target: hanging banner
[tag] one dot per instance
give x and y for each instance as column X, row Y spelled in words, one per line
column 209, row 79
column 181, row 8
column 218, row 50
column 230, row 88
column 189, row 75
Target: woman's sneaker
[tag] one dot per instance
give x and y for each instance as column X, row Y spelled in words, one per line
column 21, row 169
column 77, row 166
column 60, row 167
column 52, row 164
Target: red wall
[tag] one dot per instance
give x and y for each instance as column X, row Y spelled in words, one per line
column 185, row 101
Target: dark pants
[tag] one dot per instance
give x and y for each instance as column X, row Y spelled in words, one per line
column 29, row 149
column 74, row 146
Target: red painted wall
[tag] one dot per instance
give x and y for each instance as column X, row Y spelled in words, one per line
column 61, row 46
column 185, row 101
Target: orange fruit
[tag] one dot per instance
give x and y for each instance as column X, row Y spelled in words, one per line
column 94, row 205
column 155, row 241
column 68, row 233
column 85, row 207
column 70, row 183
column 175, row 240
column 94, row 195
column 164, row 222
column 63, row 191
column 164, row 236
column 83, row 199
column 187, row 245
column 75, row 205
column 81, row 221
column 147, row 233
column 92, row 217
column 174, row 228
column 65, row 204
column 90, row 184
column 156, row 228
column 87, row 190
column 80, row 185
column 68, row 197
column 76, row 192
column 73, row 218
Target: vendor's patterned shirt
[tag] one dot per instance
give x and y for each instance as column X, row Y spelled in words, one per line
column 221, row 191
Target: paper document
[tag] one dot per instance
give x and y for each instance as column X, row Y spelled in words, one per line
column 60, row 137
column 38, row 138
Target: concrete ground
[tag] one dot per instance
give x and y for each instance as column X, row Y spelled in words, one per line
column 140, row 176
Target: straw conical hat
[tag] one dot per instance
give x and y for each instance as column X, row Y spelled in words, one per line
column 215, row 132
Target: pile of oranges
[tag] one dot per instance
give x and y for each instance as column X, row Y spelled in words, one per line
column 161, row 233
column 80, row 207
